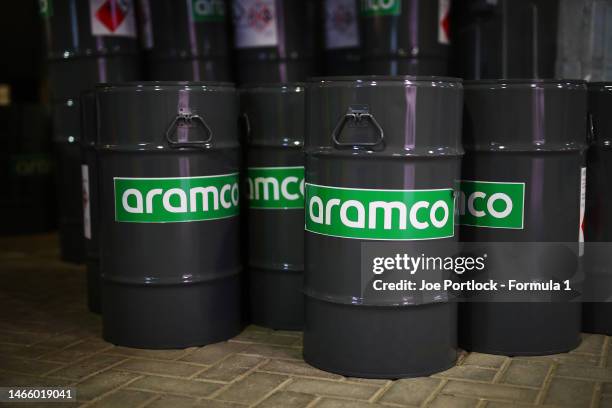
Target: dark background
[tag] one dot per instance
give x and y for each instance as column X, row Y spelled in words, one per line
column 21, row 49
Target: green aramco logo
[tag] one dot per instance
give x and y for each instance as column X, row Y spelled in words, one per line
column 380, row 7
column 380, row 214
column 180, row 199
column 491, row 204
column 276, row 187
column 208, row 10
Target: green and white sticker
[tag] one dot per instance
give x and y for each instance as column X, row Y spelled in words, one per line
column 492, row 204
column 380, row 214
column 208, row 10
column 370, row 8
column 279, row 188
column 179, row 199
column 45, row 8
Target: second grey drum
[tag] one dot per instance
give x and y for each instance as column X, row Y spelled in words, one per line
column 275, row 185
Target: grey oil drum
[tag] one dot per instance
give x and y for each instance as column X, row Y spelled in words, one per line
column 504, row 38
column 275, row 189
column 405, row 37
column 274, row 40
column 89, row 180
column 371, row 141
column 186, row 40
column 168, row 162
column 66, row 140
column 27, row 203
column 596, row 316
column 529, row 134
column 342, row 38
column 87, row 42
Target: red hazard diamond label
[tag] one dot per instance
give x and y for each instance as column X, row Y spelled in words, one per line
column 444, row 21
column 111, row 14
column 112, row 17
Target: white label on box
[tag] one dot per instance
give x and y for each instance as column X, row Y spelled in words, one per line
column 341, row 28
column 583, row 173
column 255, row 23
column 86, row 202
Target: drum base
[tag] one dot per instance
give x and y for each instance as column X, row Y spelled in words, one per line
column 597, row 318
column 276, row 299
column 519, row 329
column 171, row 316
column 380, row 342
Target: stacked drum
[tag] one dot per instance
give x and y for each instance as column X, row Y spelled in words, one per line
column 274, row 116
column 87, row 42
column 405, row 37
column 91, row 218
column 504, row 38
column 274, row 40
column 186, row 40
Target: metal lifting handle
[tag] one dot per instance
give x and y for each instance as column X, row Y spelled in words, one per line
column 357, row 114
column 190, row 120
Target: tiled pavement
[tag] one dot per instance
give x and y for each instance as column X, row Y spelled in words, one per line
column 48, row 338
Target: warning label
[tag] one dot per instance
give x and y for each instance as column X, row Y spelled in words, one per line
column 112, row 18
column 583, row 174
column 341, row 30
column 444, row 21
column 86, row 201
column 255, row 23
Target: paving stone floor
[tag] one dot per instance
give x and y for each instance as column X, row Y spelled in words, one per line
column 48, row 338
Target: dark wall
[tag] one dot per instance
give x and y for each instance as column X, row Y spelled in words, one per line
column 20, row 48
